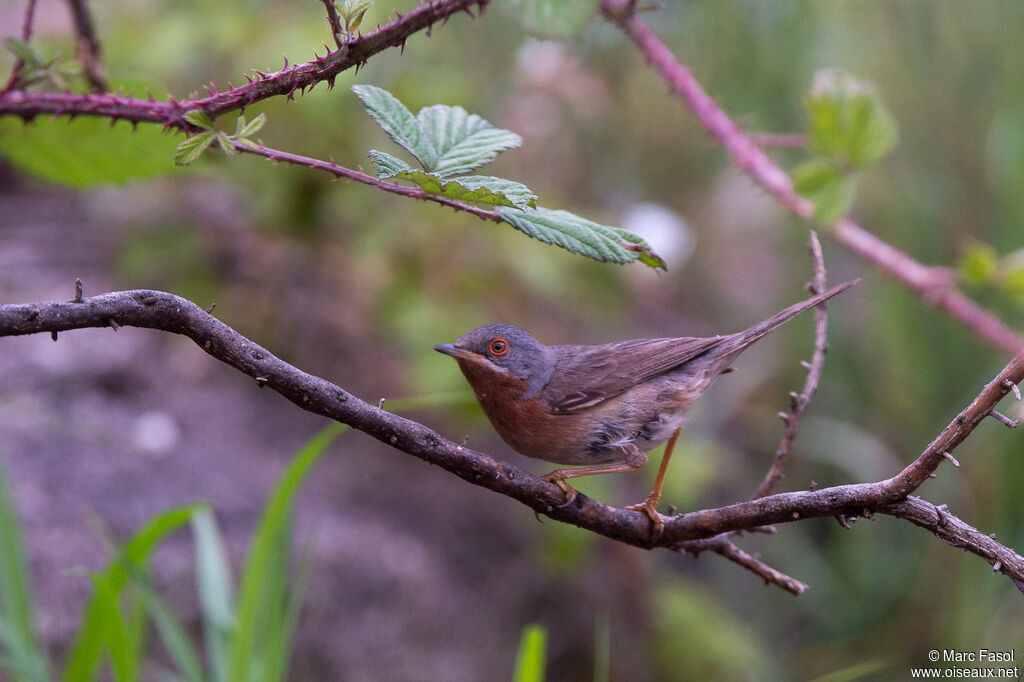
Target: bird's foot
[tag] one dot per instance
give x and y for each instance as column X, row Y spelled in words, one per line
column 558, row 479
column 650, row 507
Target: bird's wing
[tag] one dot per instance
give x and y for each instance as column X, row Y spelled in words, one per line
column 588, row 375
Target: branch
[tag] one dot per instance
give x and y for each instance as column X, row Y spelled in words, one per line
column 721, row 544
column 930, row 283
column 87, row 45
column 26, row 35
column 285, row 82
column 335, row 21
column 359, row 176
column 170, row 313
column 798, row 403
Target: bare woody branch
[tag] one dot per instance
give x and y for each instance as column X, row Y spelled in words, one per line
column 167, row 312
column 932, row 284
column 799, row 402
column 87, row 45
column 285, row 82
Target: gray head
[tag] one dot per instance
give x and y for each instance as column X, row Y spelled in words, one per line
column 503, row 347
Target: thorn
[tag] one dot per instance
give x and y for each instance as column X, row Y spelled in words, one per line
column 1013, row 387
column 932, row 475
column 951, row 458
column 806, row 365
column 841, row 518
column 1006, row 421
column 784, row 416
column 996, row 566
column 112, row 323
column 380, row 403
column 813, row 486
column 210, row 309
column 78, row 290
column 53, row 335
column 261, row 381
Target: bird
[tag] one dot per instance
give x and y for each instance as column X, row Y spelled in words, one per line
column 599, row 407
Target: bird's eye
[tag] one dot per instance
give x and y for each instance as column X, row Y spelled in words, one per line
column 497, row 347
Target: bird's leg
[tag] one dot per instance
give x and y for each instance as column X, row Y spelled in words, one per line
column 634, row 459
column 650, row 505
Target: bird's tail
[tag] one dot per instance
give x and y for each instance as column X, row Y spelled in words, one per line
column 736, row 343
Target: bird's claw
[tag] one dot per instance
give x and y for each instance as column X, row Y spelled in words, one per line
column 650, row 507
column 570, row 492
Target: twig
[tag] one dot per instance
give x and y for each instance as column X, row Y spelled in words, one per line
column 335, row 21
column 795, row 140
column 799, row 403
column 720, row 544
column 343, row 172
column 26, row 35
column 170, row 313
column 87, row 45
column 930, row 283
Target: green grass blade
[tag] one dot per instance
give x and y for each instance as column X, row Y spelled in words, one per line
column 532, row 651
column 22, row 651
column 213, row 579
column 261, row 593
column 172, row 633
column 92, row 631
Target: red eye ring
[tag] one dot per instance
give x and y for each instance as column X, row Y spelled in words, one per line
column 498, row 347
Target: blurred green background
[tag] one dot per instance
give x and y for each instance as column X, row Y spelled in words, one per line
column 416, row 575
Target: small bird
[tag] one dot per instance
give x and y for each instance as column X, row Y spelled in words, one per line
column 601, row 406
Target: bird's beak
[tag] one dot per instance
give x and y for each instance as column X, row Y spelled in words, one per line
column 456, row 352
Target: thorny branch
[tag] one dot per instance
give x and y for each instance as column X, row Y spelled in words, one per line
column 170, row 313
column 87, row 45
column 26, row 35
column 932, row 284
column 285, row 82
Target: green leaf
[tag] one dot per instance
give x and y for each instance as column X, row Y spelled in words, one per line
column 532, row 652
column 24, row 52
column 352, row 12
column 226, row 144
column 262, row 594
column 199, row 119
column 86, row 152
column 24, row 654
column 463, row 141
column 170, row 629
column 190, row 149
column 582, row 236
column 979, row 264
column 476, row 188
column 551, row 18
column 831, row 192
column 252, row 127
column 397, row 121
column 847, row 119
column 387, row 165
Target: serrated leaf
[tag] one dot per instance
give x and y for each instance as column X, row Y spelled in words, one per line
column 387, row 165
column 24, row 52
column 352, row 11
column 831, row 192
column 225, row 144
column 192, row 148
column 252, row 127
column 463, row 141
column 397, row 121
column 481, row 189
column 847, row 119
column 199, row 119
column 579, row 235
